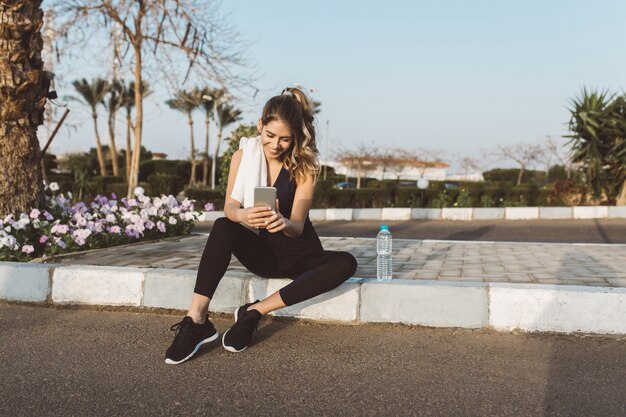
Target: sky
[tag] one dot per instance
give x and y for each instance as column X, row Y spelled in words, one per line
column 461, row 77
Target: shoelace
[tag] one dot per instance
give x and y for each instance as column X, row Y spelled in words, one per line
column 184, row 329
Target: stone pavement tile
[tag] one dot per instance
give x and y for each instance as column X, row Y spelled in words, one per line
column 433, row 265
column 450, row 273
column 422, row 274
column 519, row 277
column 475, row 272
column 551, row 281
column 496, row 278
column 461, row 278
column 405, row 275
column 617, row 282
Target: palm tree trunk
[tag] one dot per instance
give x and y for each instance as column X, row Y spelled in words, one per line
column 192, row 178
column 520, row 175
column 205, row 162
column 128, row 151
column 217, row 151
column 112, row 147
column 103, row 168
column 23, row 90
column 134, row 174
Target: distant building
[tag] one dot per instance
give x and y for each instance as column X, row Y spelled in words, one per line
column 470, row 176
column 403, row 170
column 156, row 156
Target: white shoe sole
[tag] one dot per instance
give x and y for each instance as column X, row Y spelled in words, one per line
column 230, row 348
column 210, row 339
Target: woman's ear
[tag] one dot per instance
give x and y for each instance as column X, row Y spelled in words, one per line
column 259, row 126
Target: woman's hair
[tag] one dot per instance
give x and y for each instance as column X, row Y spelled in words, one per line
column 294, row 108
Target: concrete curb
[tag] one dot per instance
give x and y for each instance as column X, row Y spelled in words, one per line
column 504, row 307
column 454, row 213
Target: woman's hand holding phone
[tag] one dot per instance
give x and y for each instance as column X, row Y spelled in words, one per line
column 256, row 216
column 276, row 222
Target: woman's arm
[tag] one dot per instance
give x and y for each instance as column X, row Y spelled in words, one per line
column 252, row 216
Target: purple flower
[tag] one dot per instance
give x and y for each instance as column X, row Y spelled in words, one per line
column 115, row 229
column 149, row 224
column 28, row 249
column 161, row 226
column 209, row 207
column 80, row 235
column 113, row 196
column 58, row 241
column 34, row 213
column 48, row 216
column 43, row 239
column 131, row 230
column 60, row 229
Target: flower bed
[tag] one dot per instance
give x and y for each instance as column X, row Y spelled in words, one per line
column 64, row 227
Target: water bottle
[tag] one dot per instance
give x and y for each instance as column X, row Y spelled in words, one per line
column 383, row 248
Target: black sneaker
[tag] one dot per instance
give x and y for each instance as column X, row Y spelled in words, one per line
column 238, row 337
column 188, row 339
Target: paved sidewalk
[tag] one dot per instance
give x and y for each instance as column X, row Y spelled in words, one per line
column 539, row 263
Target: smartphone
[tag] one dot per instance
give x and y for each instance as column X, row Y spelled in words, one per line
column 265, row 196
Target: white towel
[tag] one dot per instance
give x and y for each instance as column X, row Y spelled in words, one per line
column 252, row 171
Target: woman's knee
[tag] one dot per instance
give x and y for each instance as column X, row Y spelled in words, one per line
column 223, row 225
column 345, row 263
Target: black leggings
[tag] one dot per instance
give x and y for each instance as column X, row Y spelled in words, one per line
column 314, row 275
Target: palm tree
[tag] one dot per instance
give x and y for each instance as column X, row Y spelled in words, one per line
column 128, row 102
column 114, row 102
column 598, row 126
column 92, row 95
column 207, row 97
column 186, row 102
column 225, row 114
column 23, row 91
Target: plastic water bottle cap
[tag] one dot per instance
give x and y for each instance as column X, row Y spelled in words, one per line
column 384, row 227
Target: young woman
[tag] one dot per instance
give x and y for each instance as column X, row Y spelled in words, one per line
column 286, row 244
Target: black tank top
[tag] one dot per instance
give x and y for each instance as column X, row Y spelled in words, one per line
column 289, row 250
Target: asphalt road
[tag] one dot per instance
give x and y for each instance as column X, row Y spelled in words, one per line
column 561, row 231
column 86, row 362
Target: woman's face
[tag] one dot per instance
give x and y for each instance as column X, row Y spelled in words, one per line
column 276, row 139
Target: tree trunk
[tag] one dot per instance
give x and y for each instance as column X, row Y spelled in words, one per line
column 128, row 151
column 205, row 162
column 134, row 170
column 192, row 177
column 217, row 151
column 112, row 148
column 23, row 91
column 103, row 167
column 519, row 176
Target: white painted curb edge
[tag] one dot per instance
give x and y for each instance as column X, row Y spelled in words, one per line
column 457, row 213
column 501, row 306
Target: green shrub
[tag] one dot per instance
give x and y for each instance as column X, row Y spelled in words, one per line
column 100, row 184
column 166, row 184
column 206, row 195
column 441, row 200
column 464, row 199
column 487, row 201
column 121, row 188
